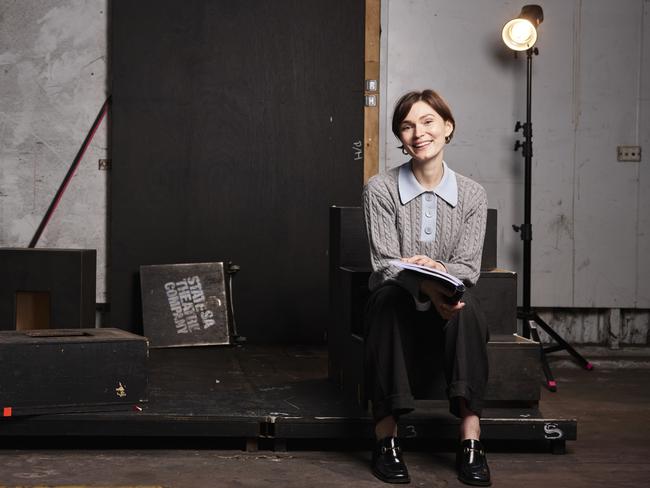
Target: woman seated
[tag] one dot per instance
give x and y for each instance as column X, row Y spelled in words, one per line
column 424, row 213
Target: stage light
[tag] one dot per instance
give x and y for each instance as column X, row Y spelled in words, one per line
column 520, row 33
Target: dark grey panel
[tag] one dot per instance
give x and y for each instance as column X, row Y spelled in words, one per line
column 233, row 131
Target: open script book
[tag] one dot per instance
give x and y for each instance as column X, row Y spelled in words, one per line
column 453, row 286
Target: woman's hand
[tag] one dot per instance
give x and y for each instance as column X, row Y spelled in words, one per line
column 439, row 299
column 425, row 261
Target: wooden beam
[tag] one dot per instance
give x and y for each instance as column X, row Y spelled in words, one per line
column 371, row 114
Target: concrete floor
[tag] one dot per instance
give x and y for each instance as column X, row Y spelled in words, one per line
column 611, row 403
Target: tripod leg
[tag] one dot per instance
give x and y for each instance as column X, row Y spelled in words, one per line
column 550, row 380
column 564, row 344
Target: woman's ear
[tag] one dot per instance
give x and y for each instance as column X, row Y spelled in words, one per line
column 449, row 128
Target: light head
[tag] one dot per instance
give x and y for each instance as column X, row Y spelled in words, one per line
column 520, row 33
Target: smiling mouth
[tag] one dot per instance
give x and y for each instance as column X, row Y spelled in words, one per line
column 420, row 145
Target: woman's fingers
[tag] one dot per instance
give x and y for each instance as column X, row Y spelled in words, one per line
column 447, row 310
column 424, row 261
column 415, row 259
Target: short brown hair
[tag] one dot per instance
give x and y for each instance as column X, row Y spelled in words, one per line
column 431, row 98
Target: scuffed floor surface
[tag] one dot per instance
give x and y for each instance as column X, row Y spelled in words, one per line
column 612, row 450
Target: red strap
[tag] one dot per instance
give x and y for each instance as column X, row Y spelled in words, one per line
column 70, row 174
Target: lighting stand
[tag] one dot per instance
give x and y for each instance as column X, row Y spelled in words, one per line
column 530, row 318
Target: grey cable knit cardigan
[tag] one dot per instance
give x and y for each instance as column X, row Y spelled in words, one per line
column 394, row 231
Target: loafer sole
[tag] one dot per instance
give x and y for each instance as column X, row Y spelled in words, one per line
column 396, row 481
column 475, row 482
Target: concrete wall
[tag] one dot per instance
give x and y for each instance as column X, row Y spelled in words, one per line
column 53, row 81
column 611, row 327
column 591, row 229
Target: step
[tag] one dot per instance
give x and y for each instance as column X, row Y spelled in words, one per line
column 496, row 290
column 514, row 379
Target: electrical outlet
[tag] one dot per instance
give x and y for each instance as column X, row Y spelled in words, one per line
column 628, row 153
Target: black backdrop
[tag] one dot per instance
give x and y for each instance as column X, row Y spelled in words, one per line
column 233, row 130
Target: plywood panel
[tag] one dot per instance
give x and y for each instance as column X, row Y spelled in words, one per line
column 371, row 114
column 553, row 114
column 590, row 224
column 643, row 184
column 606, row 190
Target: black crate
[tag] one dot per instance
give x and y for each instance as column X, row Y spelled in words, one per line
column 71, row 370
column 66, row 276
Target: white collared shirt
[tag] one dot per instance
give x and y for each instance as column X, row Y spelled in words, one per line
column 409, row 188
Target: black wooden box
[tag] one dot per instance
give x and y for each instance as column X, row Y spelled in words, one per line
column 65, row 276
column 71, row 370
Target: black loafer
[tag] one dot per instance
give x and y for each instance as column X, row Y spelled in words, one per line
column 472, row 464
column 387, row 463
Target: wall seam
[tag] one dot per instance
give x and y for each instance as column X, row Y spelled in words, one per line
column 637, row 223
column 576, row 122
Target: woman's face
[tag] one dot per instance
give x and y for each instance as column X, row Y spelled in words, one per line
column 423, row 133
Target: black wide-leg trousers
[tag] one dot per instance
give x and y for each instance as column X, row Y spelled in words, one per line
column 406, row 348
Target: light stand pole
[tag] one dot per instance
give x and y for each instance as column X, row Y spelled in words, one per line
column 530, row 318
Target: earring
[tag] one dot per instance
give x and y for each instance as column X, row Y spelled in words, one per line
column 404, row 151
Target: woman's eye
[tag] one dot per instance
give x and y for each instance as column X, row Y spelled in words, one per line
column 428, row 122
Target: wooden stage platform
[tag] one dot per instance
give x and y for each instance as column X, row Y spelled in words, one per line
column 269, row 394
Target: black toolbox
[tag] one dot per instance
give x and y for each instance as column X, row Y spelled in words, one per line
column 71, row 370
